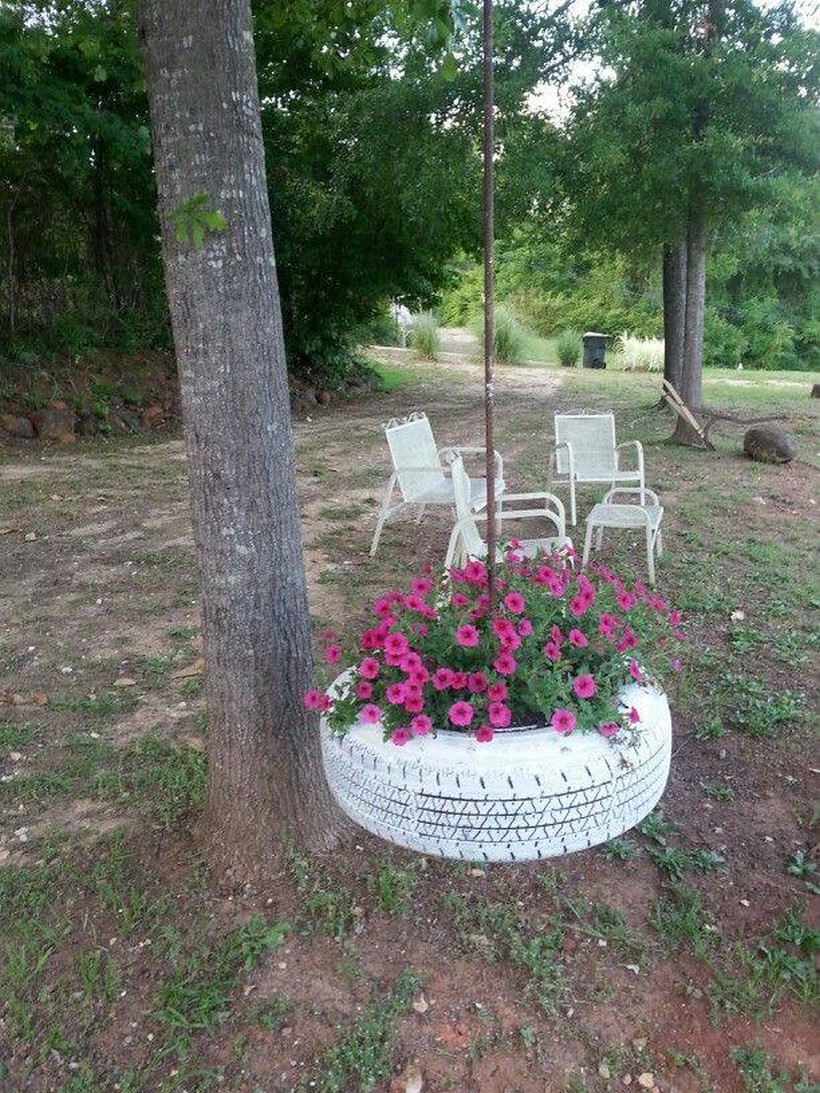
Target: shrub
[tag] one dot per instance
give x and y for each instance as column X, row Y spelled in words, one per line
column 639, row 354
column 568, row 348
column 425, row 336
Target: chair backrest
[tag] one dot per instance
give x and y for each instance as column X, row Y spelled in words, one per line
column 467, row 528
column 592, row 437
column 414, row 454
column 461, row 487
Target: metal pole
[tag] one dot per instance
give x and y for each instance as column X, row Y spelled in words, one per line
column 489, row 392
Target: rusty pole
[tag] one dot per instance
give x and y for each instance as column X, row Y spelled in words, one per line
column 489, row 392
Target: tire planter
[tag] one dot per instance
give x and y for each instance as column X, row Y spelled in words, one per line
column 531, row 793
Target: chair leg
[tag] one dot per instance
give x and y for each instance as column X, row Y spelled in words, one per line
column 659, row 543
column 650, row 556
column 377, row 533
column 587, row 544
column 600, row 537
column 573, row 514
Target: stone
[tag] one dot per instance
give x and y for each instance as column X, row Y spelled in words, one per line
column 815, row 391
column 87, row 424
column 324, row 398
column 16, row 426
column 56, row 422
column 769, row 444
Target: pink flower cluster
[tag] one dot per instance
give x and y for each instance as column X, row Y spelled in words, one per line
column 559, row 649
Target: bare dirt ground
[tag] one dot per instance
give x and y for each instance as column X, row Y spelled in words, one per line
column 681, row 958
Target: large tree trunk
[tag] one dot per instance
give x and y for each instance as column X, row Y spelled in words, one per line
column 691, row 379
column 265, row 775
column 674, row 309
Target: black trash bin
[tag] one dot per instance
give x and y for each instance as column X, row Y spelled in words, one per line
column 595, row 350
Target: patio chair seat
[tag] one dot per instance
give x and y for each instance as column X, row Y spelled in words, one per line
column 645, row 516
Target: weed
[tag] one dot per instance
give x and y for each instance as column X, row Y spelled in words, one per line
column 656, row 826
column 672, row 861
column 364, row 1057
column 801, row 865
column 620, row 850
column 678, row 916
column 392, row 888
column 568, row 348
column 718, row 791
column 330, row 911
column 706, row 861
column 424, row 336
column 713, row 729
column 754, row 709
column 755, row 1068
column 171, row 778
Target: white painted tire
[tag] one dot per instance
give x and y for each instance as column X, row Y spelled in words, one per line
column 528, row 794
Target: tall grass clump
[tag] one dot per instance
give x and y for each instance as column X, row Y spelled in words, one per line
column 568, row 348
column 511, row 339
column 424, row 336
column 639, row 354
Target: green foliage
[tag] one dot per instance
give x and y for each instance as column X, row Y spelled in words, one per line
column 509, row 338
column 193, row 218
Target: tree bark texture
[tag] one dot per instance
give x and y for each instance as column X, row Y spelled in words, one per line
column 265, row 773
column 691, row 379
column 674, row 309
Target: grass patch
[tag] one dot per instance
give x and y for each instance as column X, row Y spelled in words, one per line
column 362, row 1058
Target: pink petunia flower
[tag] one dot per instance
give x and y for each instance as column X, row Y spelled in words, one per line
column 370, row 714
column 524, row 627
column 396, row 645
column 414, row 703
column 577, row 638
column 584, row 686
column 467, row 636
column 369, row 668
column 505, row 663
column 475, row 572
column 551, row 651
column 333, row 654
column 312, row 699
column 484, row 734
column 626, row 600
column 458, row 599
column 421, row 724
column 364, row 689
column 421, row 586
column 635, row 670
column 563, row 721
column 578, row 606
column 396, row 693
column 500, row 715
column 459, row 681
column 400, row 736
column 497, row 692
column 634, row 716
column 477, row 682
column 442, row 678
column 461, row 714
column 608, row 729
column 514, row 602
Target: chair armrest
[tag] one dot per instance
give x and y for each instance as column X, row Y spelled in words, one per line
column 636, row 444
column 632, row 491
column 570, row 458
column 449, row 453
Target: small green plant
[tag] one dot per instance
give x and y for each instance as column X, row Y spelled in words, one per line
column 657, row 827
column 193, row 218
column 756, row 1070
column 392, row 888
column 620, row 850
column 670, row 860
column 424, row 336
column 718, row 791
column 568, row 348
column 801, row 865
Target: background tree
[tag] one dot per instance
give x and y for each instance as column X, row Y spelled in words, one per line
column 696, row 109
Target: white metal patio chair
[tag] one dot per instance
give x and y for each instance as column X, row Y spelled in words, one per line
column 465, row 538
column 421, row 472
column 645, row 516
column 585, row 450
